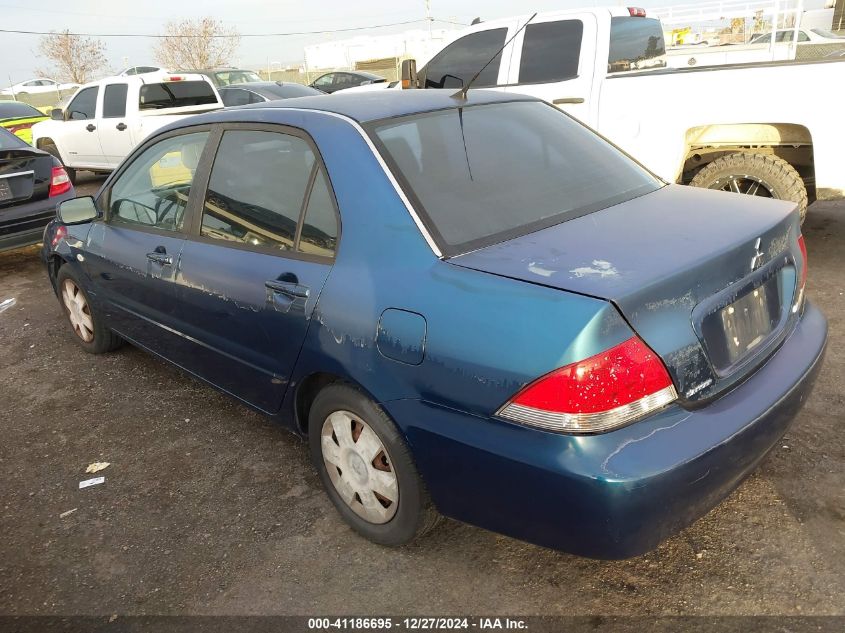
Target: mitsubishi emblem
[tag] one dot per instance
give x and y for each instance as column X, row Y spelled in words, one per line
column 758, row 256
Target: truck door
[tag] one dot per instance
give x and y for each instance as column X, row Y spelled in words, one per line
column 79, row 143
column 115, row 134
column 554, row 59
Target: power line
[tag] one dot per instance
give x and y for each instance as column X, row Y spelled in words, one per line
column 290, row 33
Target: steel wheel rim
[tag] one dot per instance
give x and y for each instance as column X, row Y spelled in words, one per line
column 359, row 467
column 78, row 311
column 745, row 184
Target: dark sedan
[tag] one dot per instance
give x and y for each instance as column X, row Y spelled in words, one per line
column 261, row 91
column 32, row 182
column 334, row 81
column 468, row 306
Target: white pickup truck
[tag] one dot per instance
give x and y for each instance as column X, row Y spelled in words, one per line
column 107, row 118
column 770, row 129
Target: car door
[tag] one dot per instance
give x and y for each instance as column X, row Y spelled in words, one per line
column 553, row 60
column 256, row 261
column 115, row 134
column 80, row 143
column 132, row 257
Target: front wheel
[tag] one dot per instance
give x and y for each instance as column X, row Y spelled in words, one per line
column 367, row 468
column 761, row 175
column 87, row 325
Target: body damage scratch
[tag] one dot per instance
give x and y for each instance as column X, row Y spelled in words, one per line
column 623, row 445
column 539, row 270
column 599, row 267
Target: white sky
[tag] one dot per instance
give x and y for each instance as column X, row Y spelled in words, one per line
column 18, row 52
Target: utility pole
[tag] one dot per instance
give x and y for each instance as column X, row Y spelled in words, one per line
column 428, row 16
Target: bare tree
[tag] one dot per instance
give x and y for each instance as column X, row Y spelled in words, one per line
column 74, row 57
column 196, row 44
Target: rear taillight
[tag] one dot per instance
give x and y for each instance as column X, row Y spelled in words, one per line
column 59, row 182
column 58, row 236
column 597, row 394
column 800, row 297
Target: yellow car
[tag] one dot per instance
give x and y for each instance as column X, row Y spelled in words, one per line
column 18, row 118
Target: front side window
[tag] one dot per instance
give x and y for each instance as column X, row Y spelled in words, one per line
column 324, row 82
column 635, row 44
column 114, row 101
column 153, row 191
column 483, row 174
column 550, row 51
column 257, row 189
column 84, row 105
column 455, row 65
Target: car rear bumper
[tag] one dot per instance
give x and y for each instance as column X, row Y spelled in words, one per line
column 23, row 224
column 618, row 494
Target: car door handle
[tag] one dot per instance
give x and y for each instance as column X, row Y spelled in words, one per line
column 160, row 258
column 90, row 127
column 288, row 288
column 121, row 126
column 568, row 100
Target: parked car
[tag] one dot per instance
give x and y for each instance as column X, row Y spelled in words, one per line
column 680, row 123
column 261, row 91
column 227, row 76
column 332, row 82
column 473, row 306
column 37, row 86
column 18, row 118
column 107, row 118
column 32, row 183
column 804, row 36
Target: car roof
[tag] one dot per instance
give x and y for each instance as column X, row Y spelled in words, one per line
column 381, row 104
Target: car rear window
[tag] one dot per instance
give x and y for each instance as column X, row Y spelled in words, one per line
column 176, row 94
column 9, row 140
column 483, row 174
column 17, row 110
column 635, row 44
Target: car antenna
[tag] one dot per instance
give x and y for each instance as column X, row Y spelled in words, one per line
column 462, row 93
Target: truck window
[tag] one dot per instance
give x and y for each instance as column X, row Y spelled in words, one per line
column 550, row 51
column 175, row 94
column 635, row 44
column 114, row 101
column 84, row 104
column 456, row 64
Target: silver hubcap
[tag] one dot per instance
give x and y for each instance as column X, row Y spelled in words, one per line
column 78, row 311
column 745, row 184
column 359, row 467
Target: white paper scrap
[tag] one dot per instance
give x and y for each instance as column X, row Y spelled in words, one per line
column 91, row 482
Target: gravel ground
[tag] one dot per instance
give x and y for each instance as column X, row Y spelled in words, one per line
column 209, row 508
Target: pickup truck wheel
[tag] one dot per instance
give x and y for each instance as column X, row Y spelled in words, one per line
column 757, row 175
column 51, row 148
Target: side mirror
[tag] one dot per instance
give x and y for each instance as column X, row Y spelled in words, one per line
column 57, row 114
column 409, row 74
column 78, row 210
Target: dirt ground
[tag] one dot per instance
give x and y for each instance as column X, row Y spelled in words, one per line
column 209, row 508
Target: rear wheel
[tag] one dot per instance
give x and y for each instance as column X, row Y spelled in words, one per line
column 87, row 325
column 51, row 148
column 761, row 175
column 367, row 468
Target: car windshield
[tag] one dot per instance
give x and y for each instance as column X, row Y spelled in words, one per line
column 9, row 140
column 229, row 77
column 17, row 110
column 484, row 174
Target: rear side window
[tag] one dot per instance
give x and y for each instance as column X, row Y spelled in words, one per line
column 482, row 174
column 456, row 64
column 319, row 229
column 635, row 44
column 114, row 101
column 257, row 189
column 84, row 105
column 176, row 94
column 551, row 51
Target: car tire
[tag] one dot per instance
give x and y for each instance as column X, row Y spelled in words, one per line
column 364, row 461
column 51, row 148
column 758, row 174
column 86, row 324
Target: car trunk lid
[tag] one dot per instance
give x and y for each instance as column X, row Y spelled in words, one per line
column 707, row 279
column 24, row 175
